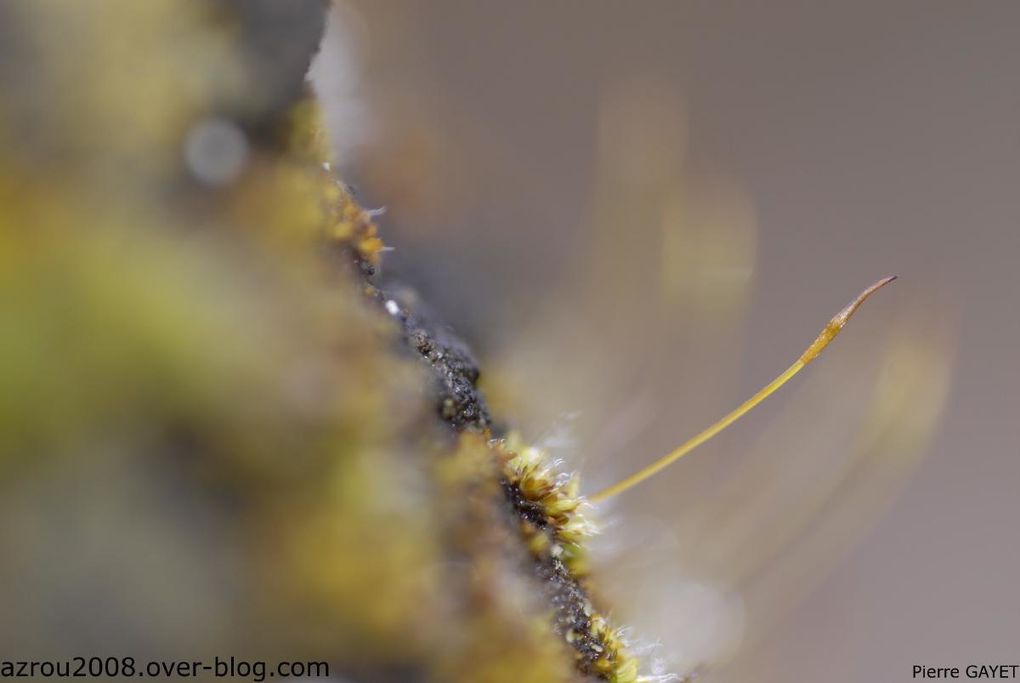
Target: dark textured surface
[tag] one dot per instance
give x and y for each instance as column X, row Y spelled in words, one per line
column 462, row 406
column 527, row 510
column 572, row 609
column 459, row 402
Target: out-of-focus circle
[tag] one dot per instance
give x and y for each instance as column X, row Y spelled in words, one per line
column 215, row 151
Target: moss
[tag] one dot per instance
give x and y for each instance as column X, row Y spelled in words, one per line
column 276, row 456
column 548, row 511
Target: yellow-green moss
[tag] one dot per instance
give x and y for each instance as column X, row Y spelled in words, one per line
column 209, row 433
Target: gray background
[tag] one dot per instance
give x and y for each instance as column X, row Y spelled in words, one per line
column 864, row 137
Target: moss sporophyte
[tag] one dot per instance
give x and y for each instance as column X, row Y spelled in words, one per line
column 552, row 516
column 273, row 447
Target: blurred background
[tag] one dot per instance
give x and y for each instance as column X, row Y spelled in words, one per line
column 639, row 213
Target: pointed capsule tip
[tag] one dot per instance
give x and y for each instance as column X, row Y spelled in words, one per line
column 845, row 314
column 839, row 321
column 886, row 280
